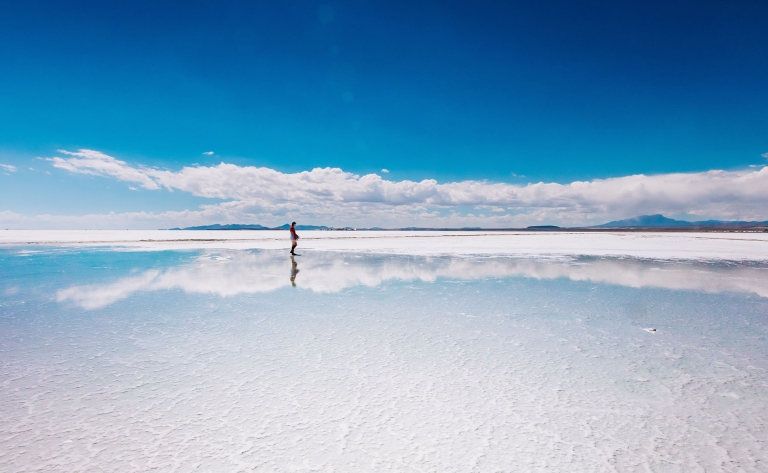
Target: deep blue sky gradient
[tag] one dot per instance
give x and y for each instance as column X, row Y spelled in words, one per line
column 547, row 90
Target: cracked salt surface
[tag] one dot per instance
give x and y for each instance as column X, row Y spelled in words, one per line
column 213, row 361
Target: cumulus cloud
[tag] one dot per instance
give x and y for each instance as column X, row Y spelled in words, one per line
column 8, row 167
column 765, row 155
column 333, row 196
column 385, row 171
column 86, row 161
column 208, row 153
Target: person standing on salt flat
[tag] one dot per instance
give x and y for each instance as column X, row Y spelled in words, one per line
column 294, row 238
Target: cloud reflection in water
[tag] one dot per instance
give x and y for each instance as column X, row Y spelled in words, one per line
column 243, row 272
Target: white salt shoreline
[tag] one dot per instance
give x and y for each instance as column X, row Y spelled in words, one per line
column 708, row 246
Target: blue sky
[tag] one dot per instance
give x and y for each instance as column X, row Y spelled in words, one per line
column 501, row 92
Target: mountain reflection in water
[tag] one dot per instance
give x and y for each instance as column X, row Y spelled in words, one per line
column 239, row 272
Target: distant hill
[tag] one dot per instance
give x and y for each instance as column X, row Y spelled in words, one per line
column 659, row 220
column 301, row 227
column 428, row 229
column 250, row 226
column 231, row 226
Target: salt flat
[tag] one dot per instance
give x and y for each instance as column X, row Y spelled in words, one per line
column 732, row 246
column 397, row 357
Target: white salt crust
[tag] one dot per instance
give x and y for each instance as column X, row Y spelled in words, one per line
column 385, row 363
column 452, row 376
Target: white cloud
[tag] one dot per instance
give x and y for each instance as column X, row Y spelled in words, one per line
column 11, row 291
column 86, row 161
column 208, row 153
column 385, row 171
column 765, row 155
column 8, row 167
column 332, row 196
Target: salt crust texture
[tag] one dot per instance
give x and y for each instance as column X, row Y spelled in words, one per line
column 733, row 246
column 387, row 363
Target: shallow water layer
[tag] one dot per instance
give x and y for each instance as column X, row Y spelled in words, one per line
column 252, row 361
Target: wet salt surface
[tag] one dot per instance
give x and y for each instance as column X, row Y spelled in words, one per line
column 214, row 361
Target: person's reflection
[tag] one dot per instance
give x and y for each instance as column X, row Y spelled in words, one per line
column 294, row 271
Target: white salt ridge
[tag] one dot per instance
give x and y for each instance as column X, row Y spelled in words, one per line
column 724, row 246
column 236, row 272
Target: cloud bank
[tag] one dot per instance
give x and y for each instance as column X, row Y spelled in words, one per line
column 332, row 196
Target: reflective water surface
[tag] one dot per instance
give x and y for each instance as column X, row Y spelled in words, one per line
column 241, row 272
column 330, row 361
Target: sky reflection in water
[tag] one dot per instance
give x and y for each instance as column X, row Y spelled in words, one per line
column 230, row 273
column 127, row 361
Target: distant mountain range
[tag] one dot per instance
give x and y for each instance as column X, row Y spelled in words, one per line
column 661, row 221
column 234, row 226
column 421, row 229
column 251, row 226
column 302, row 227
column 657, row 221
